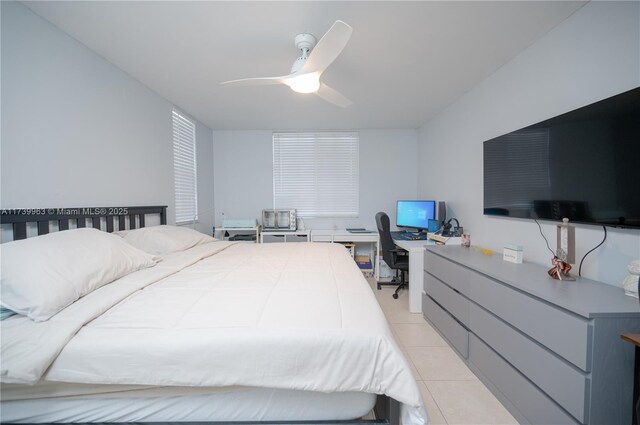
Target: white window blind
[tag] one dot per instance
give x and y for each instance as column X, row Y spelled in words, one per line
column 316, row 173
column 184, row 168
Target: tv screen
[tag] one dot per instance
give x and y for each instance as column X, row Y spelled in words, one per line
column 415, row 214
column 583, row 165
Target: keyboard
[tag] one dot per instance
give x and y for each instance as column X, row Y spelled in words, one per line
column 408, row 236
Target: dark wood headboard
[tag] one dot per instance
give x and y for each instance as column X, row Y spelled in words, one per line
column 20, row 217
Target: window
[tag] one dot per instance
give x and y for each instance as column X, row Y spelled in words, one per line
column 316, row 173
column 184, row 168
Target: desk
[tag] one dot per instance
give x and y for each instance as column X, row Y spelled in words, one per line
column 342, row 235
column 416, row 271
column 635, row 339
column 284, row 234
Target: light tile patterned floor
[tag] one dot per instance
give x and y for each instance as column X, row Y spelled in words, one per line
column 452, row 393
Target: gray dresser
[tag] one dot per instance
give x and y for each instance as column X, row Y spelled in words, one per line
column 549, row 350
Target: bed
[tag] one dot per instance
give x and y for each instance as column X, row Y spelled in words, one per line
column 217, row 332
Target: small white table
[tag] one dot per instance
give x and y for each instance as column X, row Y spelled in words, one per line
column 342, row 235
column 223, row 230
column 416, row 271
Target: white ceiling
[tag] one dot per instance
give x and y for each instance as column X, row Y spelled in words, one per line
column 405, row 62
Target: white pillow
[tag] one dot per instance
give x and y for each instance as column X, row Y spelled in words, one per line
column 42, row 275
column 164, row 239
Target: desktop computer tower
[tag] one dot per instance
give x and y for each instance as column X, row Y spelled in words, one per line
column 441, row 211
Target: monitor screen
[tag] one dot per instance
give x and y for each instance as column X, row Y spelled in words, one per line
column 415, row 214
column 434, row 226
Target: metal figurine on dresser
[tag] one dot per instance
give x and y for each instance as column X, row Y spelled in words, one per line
column 565, row 252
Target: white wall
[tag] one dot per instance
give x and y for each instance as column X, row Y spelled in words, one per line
column 243, row 168
column 594, row 54
column 204, row 165
column 77, row 131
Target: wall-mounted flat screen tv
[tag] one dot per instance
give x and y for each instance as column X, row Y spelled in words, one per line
column 583, row 165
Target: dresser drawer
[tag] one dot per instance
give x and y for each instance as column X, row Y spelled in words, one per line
column 456, row 276
column 448, row 298
column 562, row 332
column 532, row 403
column 562, row 382
column 453, row 331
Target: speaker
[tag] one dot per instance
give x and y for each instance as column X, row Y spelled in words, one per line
column 441, row 212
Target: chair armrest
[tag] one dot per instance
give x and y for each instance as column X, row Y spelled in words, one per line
column 399, row 252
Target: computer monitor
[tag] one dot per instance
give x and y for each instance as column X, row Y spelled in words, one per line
column 415, row 214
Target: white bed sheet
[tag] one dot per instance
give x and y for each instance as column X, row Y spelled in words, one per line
column 285, row 316
column 165, row 404
column 27, row 348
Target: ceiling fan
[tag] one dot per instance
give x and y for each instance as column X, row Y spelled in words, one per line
column 307, row 69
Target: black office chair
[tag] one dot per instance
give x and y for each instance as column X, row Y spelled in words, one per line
column 394, row 257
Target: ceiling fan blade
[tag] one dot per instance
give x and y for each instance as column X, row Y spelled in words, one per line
column 259, row 81
column 333, row 96
column 328, row 48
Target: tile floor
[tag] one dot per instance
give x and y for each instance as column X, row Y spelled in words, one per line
column 452, row 393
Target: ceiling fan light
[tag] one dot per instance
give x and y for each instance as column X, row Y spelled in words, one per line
column 306, row 83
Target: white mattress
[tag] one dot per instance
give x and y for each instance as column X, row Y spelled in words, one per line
column 283, row 316
column 166, row 404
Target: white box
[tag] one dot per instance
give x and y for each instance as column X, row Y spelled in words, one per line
column 385, row 271
column 248, row 223
column 512, row 253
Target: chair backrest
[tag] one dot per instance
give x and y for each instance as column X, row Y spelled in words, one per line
column 386, row 241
